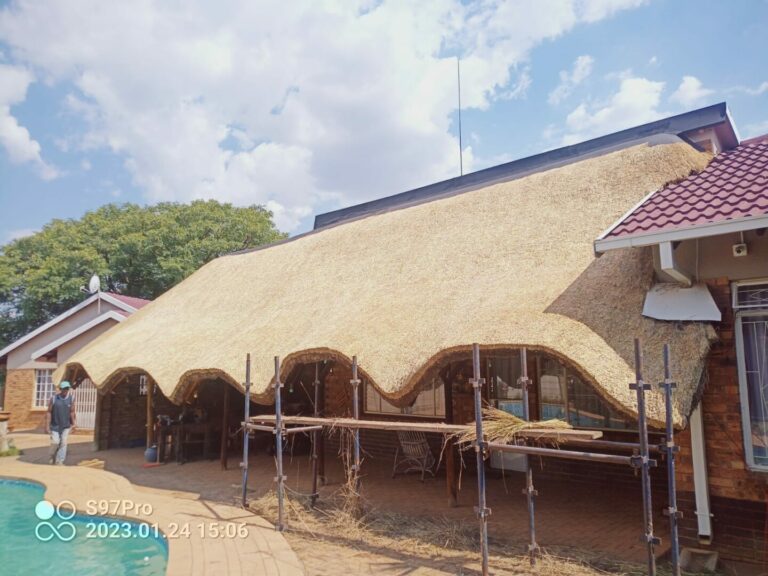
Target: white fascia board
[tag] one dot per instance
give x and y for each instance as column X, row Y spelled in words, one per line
column 111, row 315
column 119, row 303
column 700, row 231
column 729, row 116
column 74, row 310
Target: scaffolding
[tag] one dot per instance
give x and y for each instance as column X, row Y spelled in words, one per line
column 640, row 459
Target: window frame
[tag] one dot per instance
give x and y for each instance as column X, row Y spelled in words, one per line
column 735, row 294
column 49, row 392
column 380, row 412
column 746, row 426
column 567, row 373
column 563, row 373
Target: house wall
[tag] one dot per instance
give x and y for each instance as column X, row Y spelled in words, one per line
column 19, row 390
column 380, row 445
column 66, row 350
column 21, row 357
column 123, row 415
column 738, row 496
column 20, row 386
column 712, row 257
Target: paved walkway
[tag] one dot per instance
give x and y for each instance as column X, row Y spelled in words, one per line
column 572, row 520
column 262, row 551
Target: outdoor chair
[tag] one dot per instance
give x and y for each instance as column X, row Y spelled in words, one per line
column 413, row 455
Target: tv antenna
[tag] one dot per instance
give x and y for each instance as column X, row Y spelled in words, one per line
column 458, row 85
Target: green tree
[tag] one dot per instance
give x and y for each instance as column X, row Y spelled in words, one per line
column 137, row 251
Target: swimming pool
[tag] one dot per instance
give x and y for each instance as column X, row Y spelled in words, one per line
column 138, row 552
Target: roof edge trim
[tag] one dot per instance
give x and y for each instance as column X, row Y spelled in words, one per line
column 39, row 330
column 111, row 314
column 677, row 125
column 690, row 233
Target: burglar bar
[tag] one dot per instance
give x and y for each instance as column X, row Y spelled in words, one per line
column 480, row 445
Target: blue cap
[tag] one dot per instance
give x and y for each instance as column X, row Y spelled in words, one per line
column 64, row 384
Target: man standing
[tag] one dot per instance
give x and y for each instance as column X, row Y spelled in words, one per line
column 60, row 421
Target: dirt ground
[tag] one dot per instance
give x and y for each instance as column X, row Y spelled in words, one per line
column 331, row 542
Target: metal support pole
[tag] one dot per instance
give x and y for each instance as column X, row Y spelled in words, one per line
column 278, row 431
column 480, row 445
column 644, row 461
column 634, row 461
column 223, row 454
column 671, row 449
column 247, row 418
column 356, row 415
column 315, row 438
column 529, row 491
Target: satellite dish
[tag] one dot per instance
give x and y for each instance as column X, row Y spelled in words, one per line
column 94, row 285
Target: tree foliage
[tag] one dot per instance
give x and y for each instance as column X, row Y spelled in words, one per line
column 138, row 251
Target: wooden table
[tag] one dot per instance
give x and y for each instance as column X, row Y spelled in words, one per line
column 184, row 435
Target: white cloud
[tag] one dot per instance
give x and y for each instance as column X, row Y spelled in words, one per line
column 757, row 129
column 20, row 233
column 15, row 138
column 290, row 105
column 520, row 88
column 581, row 69
column 690, row 92
column 636, row 102
column 762, row 88
column 594, row 10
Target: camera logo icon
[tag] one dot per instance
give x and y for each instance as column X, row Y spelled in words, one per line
column 47, row 513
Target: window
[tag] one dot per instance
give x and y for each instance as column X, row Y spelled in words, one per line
column 587, row 410
column 750, row 295
column 430, row 402
column 565, row 396
column 552, row 388
column 143, row 385
column 44, row 388
column 751, row 303
column 504, row 374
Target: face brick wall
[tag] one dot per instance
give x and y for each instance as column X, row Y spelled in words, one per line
column 737, row 496
column 381, row 445
column 19, row 391
column 123, row 415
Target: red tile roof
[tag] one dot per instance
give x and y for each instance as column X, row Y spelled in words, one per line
column 734, row 185
column 130, row 300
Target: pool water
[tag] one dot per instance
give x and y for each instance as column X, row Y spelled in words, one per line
column 22, row 552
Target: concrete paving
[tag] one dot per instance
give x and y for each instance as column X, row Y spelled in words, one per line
column 192, row 523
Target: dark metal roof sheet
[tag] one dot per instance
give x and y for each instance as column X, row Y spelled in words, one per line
column 676, row 126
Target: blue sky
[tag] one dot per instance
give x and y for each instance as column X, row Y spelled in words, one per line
column 311, row 107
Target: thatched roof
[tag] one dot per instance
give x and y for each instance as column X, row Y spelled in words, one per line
column 507, row 265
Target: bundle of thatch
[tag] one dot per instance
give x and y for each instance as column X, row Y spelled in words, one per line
column 508, row 264
column 503, row 427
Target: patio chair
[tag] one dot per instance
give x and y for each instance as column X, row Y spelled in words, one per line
column 413, row 455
